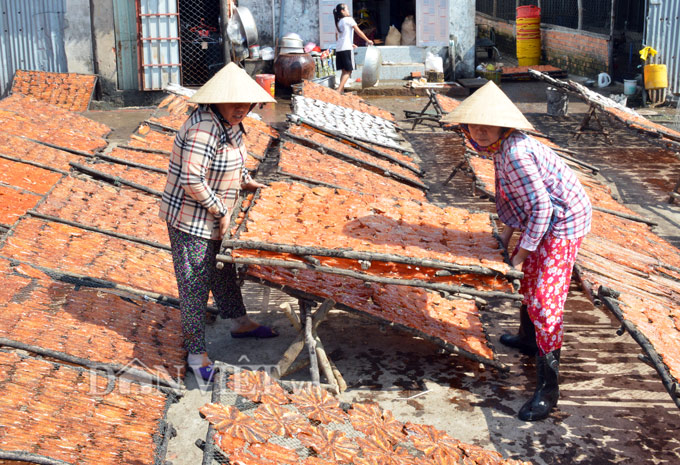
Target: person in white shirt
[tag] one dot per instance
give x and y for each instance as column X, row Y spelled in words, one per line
column 344, row 50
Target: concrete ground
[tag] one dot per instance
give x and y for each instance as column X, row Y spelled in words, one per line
column 613, row 408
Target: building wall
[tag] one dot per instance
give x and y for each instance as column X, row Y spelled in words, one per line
column 104, row 46
column 577, row 52
column 299, row 16
column 78, row 37
column 462, row 32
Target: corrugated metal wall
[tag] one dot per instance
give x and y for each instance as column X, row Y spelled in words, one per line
column 31, row 38
column 160, row 43
column 662, row 33
column 125, row 25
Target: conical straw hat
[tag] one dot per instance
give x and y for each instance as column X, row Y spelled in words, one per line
column 231, row 84
column 489, row 106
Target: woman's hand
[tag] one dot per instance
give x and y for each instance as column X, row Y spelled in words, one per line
column 224, row 225
column 519, row 257
column 369, row 42
column 252, row 185
column 506, row 235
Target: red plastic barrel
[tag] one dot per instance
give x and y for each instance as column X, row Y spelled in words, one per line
column 267, row 82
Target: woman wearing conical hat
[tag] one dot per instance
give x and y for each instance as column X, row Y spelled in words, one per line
column 539, row 195
column 206, row 172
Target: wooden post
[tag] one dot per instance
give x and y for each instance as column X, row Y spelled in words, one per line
column 306, row 317
column 266, row 292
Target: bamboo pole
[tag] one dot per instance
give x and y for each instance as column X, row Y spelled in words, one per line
column 58, row 147
column 325, row 365
column 294, row 349
column 160, row 125
column 115, row 179
column 29, row 457
column 144, row 149
column 33, row 163
column 313, row 182
column 370, row 256
column 290, row 314
column 305, row 315
column 459, row 290
column 122, row 161
column 586, row 287
column 167, row 385
column 639, row 219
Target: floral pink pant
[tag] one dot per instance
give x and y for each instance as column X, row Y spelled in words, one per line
column 547, row 274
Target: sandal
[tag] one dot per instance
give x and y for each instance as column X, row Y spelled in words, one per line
column 204, row 372
column 261, row 332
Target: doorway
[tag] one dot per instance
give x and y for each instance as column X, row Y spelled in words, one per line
column 201, row 41
column 374, row 17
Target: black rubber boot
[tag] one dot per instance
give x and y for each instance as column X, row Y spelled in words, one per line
column 547, row 388
column 525, row 339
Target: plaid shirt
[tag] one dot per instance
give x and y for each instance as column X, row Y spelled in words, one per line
column 204, row 176
column 538, row 193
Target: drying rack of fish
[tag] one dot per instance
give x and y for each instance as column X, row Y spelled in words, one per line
column 69, row 91
column 624, row 265
column 401, row 169
column 379, row 239
column 350, row 123
column 255, row 419
column 89, row 327
column 103, row 419
column 654, row 131
column 316, row 91
column 636, row 274
column 20, row 149
column 48, row 124
column 306, row 164
column 453, row 323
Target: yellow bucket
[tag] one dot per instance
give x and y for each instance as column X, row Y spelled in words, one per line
column 656, row 77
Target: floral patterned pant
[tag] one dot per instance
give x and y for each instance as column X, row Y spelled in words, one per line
column 547, row 274
column 194, row 259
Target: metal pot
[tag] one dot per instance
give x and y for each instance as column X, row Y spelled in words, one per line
column 291, row 50
column 371, row 71
column 291, row 42
column 247, row 24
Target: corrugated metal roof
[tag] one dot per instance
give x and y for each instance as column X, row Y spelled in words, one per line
column 31, row 38
column 662, row 33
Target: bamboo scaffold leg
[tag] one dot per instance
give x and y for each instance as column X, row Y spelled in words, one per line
column 584, row 126
column 307, row 325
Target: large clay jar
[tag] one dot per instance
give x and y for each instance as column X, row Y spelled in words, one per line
column 292, row 68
